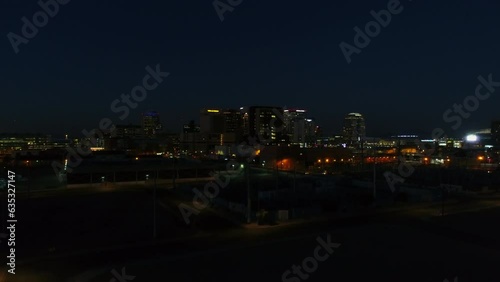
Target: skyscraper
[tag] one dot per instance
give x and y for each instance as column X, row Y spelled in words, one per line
column 267, row 123
column 246, row 120
column 305, row 131
column 354, row 129
column 221, row 121
column 212, row 121
column 292, row 117
column 221, row 126
column 151, row 123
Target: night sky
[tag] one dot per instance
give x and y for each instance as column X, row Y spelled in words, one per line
column 283, row 53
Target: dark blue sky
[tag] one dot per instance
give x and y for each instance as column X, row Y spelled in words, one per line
column 264, row 53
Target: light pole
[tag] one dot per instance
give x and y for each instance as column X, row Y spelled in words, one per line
column 294, row 188
column 154, row 207
column 374, row 181
column 249, row 200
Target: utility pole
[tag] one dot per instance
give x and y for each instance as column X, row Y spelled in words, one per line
column 277, row 174
column 249, row 200
column 442, row 191
column 154, row 206
column 174, row 174
column 374, row 182
column 294, row 188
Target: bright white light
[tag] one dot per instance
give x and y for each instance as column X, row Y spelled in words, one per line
column 471, row 138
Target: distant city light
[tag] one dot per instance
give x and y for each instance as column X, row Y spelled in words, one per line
column 471, row 138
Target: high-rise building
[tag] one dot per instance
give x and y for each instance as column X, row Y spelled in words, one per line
column 246, row 120
column 291, row 117
column 354, row 130
column 225, row 126
column 211, row 121
column 221, row 121
column 495, row 132
column 233, row 121
column 267, row 123
column 191, row 139
column 305, row 132
column 151, row 123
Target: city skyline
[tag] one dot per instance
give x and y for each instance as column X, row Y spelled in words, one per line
column 250, row 140
column 338, row 130
column 242, row 62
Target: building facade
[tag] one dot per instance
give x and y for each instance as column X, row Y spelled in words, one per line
column 354, row 130
column 267, row 123
column 151, row 123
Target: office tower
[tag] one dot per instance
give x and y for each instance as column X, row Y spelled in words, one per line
column 151, row 123
column 225, row 126
column 221, row 121
column 211, row 121
column 246, row 120
column 304, row 132
column 233, row 121
column 354, row 130
column 191, row 139
column 291, row 117
column 267, row 123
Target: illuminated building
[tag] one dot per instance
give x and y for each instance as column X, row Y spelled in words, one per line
column 221, row 126
column 291, row 117
column 221, row 121
column 267, row 123
column 354, row 130
column 304, row 132
column 41, row 142
column 191, row 139
column 246, row 120
column 478, row 139
column 151, row 123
